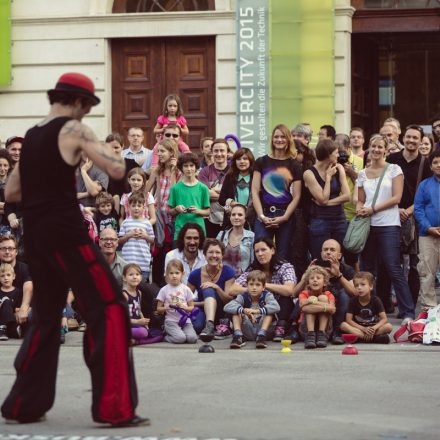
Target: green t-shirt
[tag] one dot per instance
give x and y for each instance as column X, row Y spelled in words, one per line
column 197, row 195
column 349, row 207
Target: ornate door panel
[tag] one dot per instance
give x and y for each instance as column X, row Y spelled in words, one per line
column 192, row 78
column 146, row 70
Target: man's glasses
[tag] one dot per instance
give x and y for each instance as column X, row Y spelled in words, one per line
column 174, row 135
column 7, row 249
column 111, row 240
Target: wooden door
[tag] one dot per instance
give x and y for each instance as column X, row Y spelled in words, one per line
column 144, row 71
column 365, row 84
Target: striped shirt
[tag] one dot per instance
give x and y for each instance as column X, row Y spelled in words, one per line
column 137, row 250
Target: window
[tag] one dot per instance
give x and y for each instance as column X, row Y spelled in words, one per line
column 133, row 6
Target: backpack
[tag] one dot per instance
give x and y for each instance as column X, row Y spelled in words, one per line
column 414, row 328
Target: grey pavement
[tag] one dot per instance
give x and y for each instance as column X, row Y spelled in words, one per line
column 386, row 392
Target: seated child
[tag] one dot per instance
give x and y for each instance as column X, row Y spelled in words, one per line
column 176, row 301
column 8, row 296
column 253, row 312
column 136, row 235
column 106, row 215
column 366, row 315
column 132, row 276
column 316, row 305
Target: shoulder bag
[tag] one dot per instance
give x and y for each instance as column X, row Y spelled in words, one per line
column 359, row 228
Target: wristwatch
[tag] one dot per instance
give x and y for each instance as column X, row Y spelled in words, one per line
column 262, row 216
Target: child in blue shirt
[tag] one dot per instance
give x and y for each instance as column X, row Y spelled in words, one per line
column 253, row 312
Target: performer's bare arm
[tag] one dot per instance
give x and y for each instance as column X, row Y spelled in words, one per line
column 13, row 186
column 76, row 137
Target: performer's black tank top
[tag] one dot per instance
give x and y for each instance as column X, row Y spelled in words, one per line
column 50, row 207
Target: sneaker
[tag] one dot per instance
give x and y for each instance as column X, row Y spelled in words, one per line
column 208, row 330
column 261, row 342
column 63, row 336
column 279, row 333
column 406, row 321
column 381, row 339
column 82, row 327
column 3, row 335
column 237, row 342
column 292, row 335
column 337, row 338
column 223, row 330
column 321, row 340
column 310, row 341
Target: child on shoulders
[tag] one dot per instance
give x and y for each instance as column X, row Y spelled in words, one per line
column 253, row 312
column 366, row 315
column 316, row 305
column 176, row 301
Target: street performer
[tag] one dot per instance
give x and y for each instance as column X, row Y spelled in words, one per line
column 61, row 256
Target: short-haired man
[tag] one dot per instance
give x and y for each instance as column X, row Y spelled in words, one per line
column 13, row 145
column 90, row 181
column 23, row 282
column 189, row 249
column 108, row 243
column 302, row 133
column 327, row 132
column 415, row 169
column 357, row 140
column 392, row 133
column 427, row 213
column 212, row 176
column 436, row 132
column 143, row 156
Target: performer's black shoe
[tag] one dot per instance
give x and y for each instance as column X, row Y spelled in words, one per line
column 25, row 420
column 132, row 423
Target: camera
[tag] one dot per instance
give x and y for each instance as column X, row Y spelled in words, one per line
column 343, row 157
column 323, row 263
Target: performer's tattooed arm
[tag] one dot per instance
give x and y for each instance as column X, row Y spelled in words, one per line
column 101, row 154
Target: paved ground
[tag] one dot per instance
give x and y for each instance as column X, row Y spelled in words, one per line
column 384, row 392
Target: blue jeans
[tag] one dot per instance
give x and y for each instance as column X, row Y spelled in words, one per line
column 321, row 230
column 383, row 244
column 342, row 300
column 283, row 234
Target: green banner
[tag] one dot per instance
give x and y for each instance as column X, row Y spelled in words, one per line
column 252, row 75
column 285, row 67
column 5, row 42
column 302, row 62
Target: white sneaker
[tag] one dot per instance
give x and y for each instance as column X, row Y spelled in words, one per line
column 406, row 321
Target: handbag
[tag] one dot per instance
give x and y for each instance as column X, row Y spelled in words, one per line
column 359, row 228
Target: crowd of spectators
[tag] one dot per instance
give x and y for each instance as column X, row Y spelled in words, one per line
column 229, row 245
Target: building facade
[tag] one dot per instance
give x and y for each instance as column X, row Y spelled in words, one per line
column 138, row 51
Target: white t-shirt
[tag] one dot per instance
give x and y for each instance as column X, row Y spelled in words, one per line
column 175, row 295
column 387, row 217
